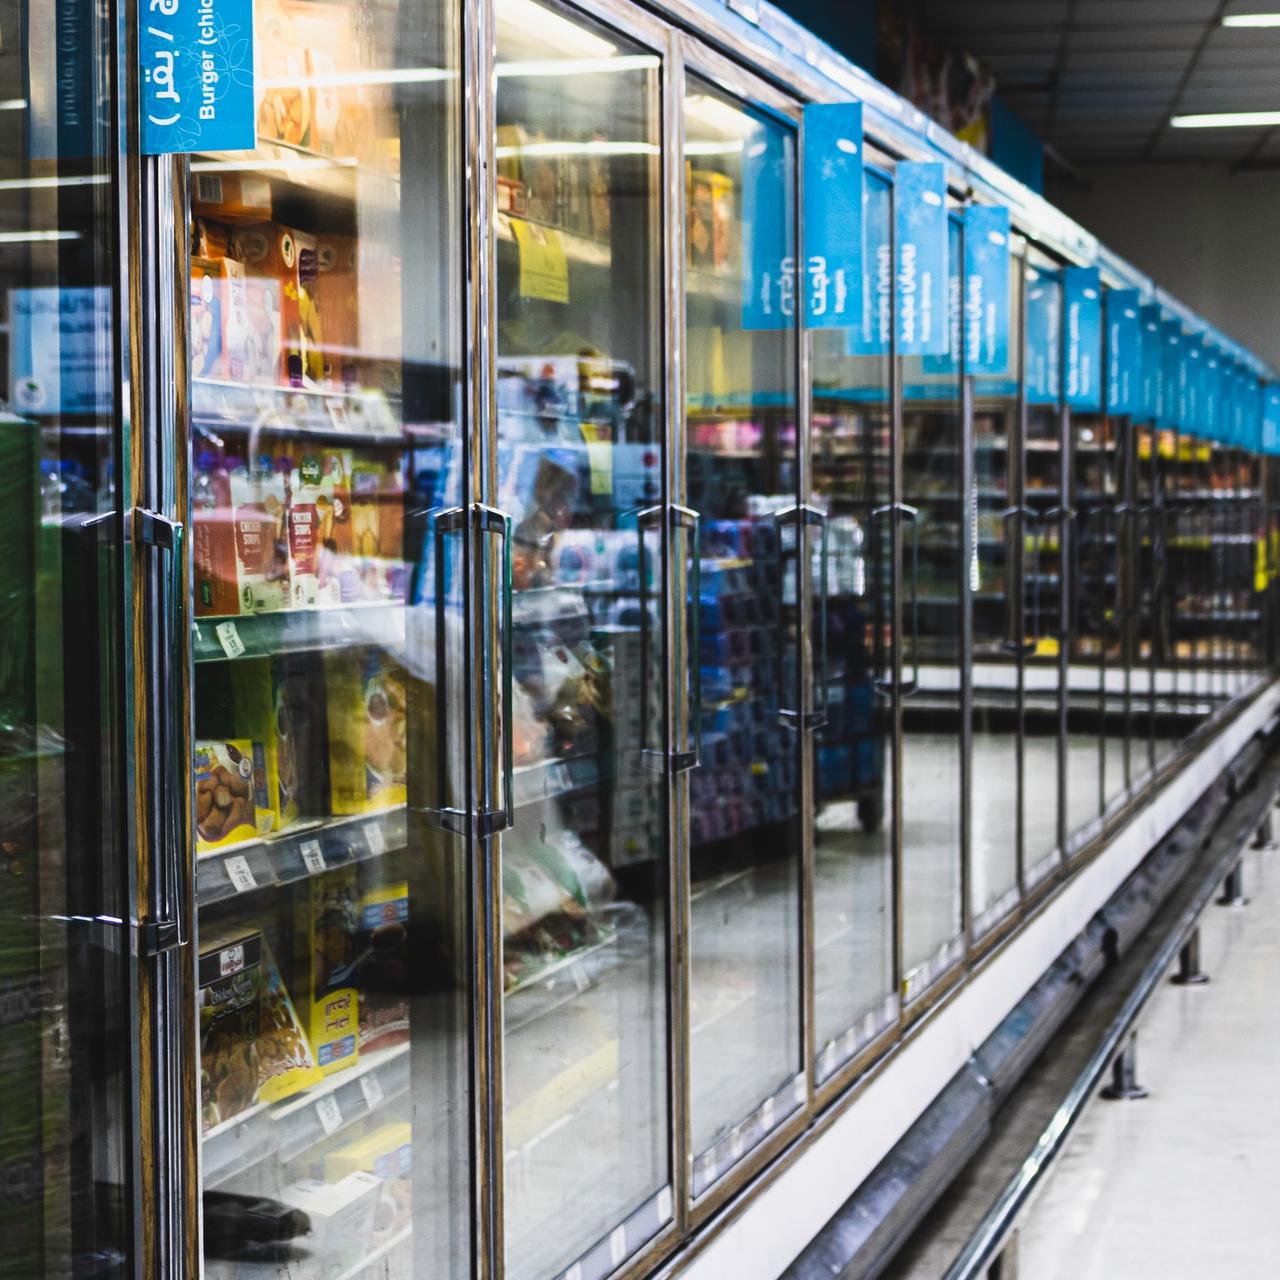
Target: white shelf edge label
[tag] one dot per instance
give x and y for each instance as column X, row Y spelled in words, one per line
column 329, row 1114
column 229, row 639
column 376, row 839
column 312, row 856
column 371, row 1087
column 240, row 873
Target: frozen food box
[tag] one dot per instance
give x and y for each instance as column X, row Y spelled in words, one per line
column 256, row 354
column 319, row 524
column 213, row 537
column 208, row 310
column 230, row 1003
column 386, row 1153
column 261, row 547
column 331, row 934
column 227, row 774
column 383, row 970
column 285, row 1062
column 341, row 1216
column 231, row 197
column 365, row 695
column 337, row 298
column 261, row 711
column 377, row 526
column 288, row 258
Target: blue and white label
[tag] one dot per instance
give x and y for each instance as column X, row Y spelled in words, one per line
column 1193, row 402
column 1043, row 335
column 986, row 289
column 1271, row 418
column 1170, row 375
column 1211, row 393
column 1152, row 356
column 1124, row 352
column 833, row 214
column 920, row 226
column 769, row 284
column 196, row 76
column 948, row 364
column 58, row 364
column 871, row 336
column 1082, row 337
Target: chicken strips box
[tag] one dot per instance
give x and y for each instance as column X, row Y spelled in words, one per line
column 367, row 730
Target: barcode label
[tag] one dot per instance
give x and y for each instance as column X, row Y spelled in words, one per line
column 329, row 1114
column 208, row 189
column 240, row 874
column 229, row 639
column 312, row 856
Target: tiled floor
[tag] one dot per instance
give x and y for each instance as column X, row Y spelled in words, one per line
column 1187, row 1183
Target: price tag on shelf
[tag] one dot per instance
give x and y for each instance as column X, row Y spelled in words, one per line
column 240, row 873
column 312, row 856
column 580, row 978
column 371, row 1087
column 229, row 639
column 376, row 839
column 766, row 1115
column 329, row 1114
column 618, row 1245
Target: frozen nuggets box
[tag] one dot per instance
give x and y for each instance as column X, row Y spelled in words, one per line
column 366, row 699
column 230, row 974
column 230, row 777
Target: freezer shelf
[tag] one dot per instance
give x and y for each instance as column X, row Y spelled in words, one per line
column 290, row 1128
column 266, row 635
column 297, row 854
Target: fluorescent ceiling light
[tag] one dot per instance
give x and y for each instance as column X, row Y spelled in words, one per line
column 256, row 164
column 578, row 66
column 39, row 184
column 367, row 76
column 550, row 28
column 13, row 104
column 720, row 116
column 1251, row 20
column 35, row 237
column 729, row 147
column 1228, row 120
column 596, row 147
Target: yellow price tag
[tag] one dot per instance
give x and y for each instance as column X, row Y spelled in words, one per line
column 544, row 269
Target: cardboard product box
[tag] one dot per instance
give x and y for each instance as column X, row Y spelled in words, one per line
column 255, row 355
column 261, row 711
column 208, row 311
column 341, row 1215
column 337, row 298
column 377, row 525
column 285, row 1062
column 383, row 973
column 365, row 694
column 711, row 219
column 289, row 258
column 213, row 537
column 231, row 197
column 261, row 544
column 319, row 526
column 386, row 1153
column 230, row 1003
column 230, row 781
column 330, row 935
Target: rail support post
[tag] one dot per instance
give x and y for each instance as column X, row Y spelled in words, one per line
column 1124, row 1084
column 1233, row 888
column 1189, row 972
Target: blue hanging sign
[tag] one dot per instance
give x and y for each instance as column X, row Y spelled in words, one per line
column 1271, row 418
column 1211, row 402
column 1082, row 337
column 195, row 76
column 986, row 289
column 769, row 282
column 920, row 233
column 1152, row 353
column 833, row 214
column 1170, row 410
column 1124, row 352
column 1043, row 335
column 1191, row 394
column 948, row 364
column 871, row 336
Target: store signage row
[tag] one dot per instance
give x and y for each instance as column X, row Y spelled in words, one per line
column 1124, row 352
column 1082, row 337
column 833, row 183
column 1043, row 335
column 196, row 76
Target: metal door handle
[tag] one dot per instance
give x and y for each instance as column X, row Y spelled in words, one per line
column 802, row 515
column 152, row 529
column 443, row 523
column 691, row 520
column 905, row 688
column 489, row 520
column 1016, row 645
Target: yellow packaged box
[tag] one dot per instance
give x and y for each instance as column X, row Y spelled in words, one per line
column 367, row 745
column 262, row 712
column 230, row 781
column 285, row 1063
column 332, row 921
column 386, row 1151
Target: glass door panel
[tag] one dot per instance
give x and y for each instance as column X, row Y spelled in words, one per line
column 67, row 984
column 854, row 989
column 334, row 957
column 580, row 465
column 1000, row 529
column 933, row 441
column 1044, row 619
column 1150, row 637
column 742, row 476
column 1192, row 555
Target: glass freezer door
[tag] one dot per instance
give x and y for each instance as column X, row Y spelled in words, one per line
column 578, row 494
column 326, row 477
column 67, row 981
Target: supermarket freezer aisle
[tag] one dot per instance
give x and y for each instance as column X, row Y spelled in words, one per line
column 1184, row 1184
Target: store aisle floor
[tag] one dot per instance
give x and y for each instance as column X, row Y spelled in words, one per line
column 1185, row 1184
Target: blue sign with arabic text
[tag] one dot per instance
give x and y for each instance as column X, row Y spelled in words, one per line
column 1082, row 337
column 196, row 75
column 833, row 214
column 1170, row 415
column 920, row 233
column 1124, row 352
column 986, row 289
column 871, row 336
column 769, row 282
column 1152, row 354
column 1043, row 335
column 1271, row 418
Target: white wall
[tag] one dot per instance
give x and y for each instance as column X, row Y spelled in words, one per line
column 1211, row 239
